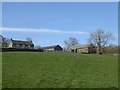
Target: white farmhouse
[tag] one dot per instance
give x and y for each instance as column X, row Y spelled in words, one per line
column 20, row 44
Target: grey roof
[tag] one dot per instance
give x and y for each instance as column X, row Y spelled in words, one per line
column 21, row 42
column 79, row 46
column 53, row 46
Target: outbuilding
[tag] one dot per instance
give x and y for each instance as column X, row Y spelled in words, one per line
column 52, row 48
column 86, row 48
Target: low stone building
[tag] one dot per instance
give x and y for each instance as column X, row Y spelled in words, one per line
column 20, row 44
column 52, row 48
column 87, row 48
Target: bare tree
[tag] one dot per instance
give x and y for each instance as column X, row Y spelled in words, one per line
column 70, row 42
column 100, row 39
column 1, row 39
column 37, row 47
column 4, row 41
column 29, row 39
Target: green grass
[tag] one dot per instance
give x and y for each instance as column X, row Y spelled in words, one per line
column 59, row 70
column 0, row 70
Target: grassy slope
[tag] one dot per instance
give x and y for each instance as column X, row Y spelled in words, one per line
column 41, row 70
column 0, row 70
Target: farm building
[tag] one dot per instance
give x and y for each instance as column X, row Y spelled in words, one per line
column 87, row 48
column 20, row 44
column 53, row 48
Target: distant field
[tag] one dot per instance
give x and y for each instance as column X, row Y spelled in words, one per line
column 59, row 70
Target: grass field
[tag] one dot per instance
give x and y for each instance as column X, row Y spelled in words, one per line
column 59, row 70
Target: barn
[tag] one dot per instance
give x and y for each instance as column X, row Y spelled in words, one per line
column 86, row 48
column 52, row 48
